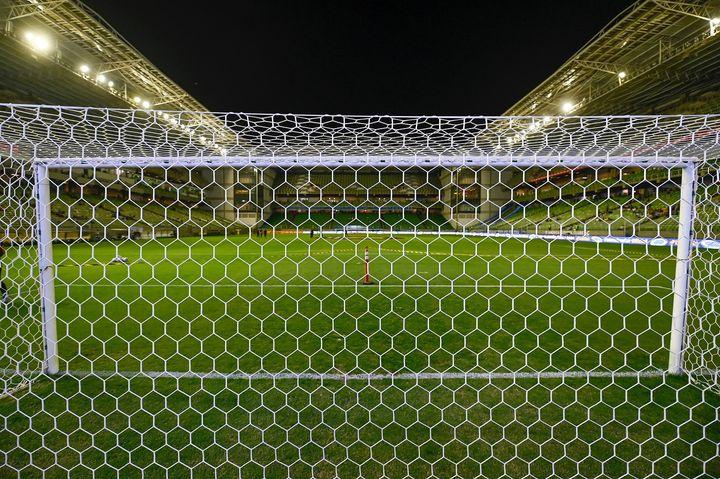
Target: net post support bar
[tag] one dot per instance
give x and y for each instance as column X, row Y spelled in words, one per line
column 47, row 272
column 681, row 283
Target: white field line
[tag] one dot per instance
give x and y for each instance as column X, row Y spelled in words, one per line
column 380, row 376
column 653, row 373
column 585, row 238
column 364, row 286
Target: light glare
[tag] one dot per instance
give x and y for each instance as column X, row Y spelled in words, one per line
column 567, row 107
column 38, row 42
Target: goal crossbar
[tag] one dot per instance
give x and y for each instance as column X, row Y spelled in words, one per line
column 398, row 161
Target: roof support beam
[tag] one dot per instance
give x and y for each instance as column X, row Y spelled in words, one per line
column 108, row 67
column 612, row 68
column 31, row 9
column 169, row 99
column 686, row 8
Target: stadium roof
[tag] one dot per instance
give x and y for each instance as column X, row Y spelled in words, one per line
column 69, row 34
column 106, row 52
column 648, row 56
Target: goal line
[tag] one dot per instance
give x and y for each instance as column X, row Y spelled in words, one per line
column 365, row 377
column 380, row 285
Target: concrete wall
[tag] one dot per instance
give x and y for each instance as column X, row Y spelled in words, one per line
column 267, row 180
column 494, row 192
column 219, row 193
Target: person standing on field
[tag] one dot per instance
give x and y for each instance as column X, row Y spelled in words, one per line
column 4, row 294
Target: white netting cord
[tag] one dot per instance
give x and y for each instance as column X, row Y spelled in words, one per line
column 21, row 339
column 703, row 325
column 334, row 296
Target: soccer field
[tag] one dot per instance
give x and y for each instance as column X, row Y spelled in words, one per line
column 290, row 304
column 269, row 355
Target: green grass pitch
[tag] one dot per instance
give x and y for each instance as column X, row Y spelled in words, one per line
column 295, row 305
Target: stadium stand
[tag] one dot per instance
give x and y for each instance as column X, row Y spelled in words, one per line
column 656, row 57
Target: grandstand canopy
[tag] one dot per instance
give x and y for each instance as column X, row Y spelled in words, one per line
column 74, row 35
column 651, row 58
column 60, row 52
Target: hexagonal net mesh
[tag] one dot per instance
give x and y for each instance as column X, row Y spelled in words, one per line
column 194, row 294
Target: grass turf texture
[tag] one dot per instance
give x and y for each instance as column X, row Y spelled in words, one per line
column 291, row 304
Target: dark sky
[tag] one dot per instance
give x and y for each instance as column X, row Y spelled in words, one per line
column 389, row 57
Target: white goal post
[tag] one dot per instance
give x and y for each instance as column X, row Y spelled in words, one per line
column 46, row 267
column 682, row 268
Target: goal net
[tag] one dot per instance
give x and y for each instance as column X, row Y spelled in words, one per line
column 196, row 294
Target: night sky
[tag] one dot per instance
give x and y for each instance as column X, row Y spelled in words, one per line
column 387, row 57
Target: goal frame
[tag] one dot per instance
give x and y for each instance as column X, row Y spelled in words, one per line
column 681, row 282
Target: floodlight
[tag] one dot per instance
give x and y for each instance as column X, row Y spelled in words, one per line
column 146, row 104
column 111, row 83
column 38, row 42
column 84, row 69
column 567, row 107
column 101, row 78
column 622, row 75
